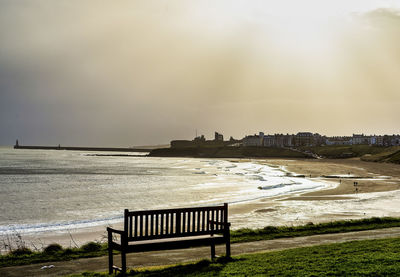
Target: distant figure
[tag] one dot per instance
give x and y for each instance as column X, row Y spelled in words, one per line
column 16, row 143
column 59, row 146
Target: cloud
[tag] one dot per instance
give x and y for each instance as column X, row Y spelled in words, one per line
column 144, row 72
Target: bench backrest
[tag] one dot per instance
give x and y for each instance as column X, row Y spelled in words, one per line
column 168, row 223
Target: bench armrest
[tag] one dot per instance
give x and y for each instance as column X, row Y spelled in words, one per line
column 122, row 234
column 111, row 230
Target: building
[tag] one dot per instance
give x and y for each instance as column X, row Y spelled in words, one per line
column 282, row 140
column 304, row 139
column 310, row 139
column 255, row 140
column 269, row 141
column 393, row 140
column 339, row 140
column 218, row 137
column 361, row 139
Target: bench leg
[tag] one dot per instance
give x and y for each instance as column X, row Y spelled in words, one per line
column 228, row 249
column 123, row 263
column 212, row 251
column 110, row 260
column 110, row 253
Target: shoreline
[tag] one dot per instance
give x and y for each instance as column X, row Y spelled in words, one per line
column 267, row 211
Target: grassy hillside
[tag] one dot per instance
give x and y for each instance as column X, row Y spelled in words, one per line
column 357, row 258
column 227, row 152
column 365, row 152
column 391, row 154
column 349, row 151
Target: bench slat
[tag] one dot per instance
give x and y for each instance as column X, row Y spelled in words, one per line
column 189, row 220
column 130, row 226
column 171, row 223
column 146, row 225
column 162, row 224
column 141, row 225
column 152, row 225
column 184, row 222
column 136, row 226
column 203, row 219
column 166, row 223
column 193, row 223
column 217, row 218
column 198, row 222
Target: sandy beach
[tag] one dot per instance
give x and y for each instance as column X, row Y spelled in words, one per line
column 370, row 177
column 317, row 206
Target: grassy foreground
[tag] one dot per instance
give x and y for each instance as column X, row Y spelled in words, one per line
column 57, row 253
column 357, row 258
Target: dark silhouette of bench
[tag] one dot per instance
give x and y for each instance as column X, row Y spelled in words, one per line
column 169, row 229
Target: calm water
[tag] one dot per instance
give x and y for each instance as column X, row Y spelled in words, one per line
column 55, row 190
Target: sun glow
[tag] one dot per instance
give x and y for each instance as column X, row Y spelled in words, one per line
column 299, row 29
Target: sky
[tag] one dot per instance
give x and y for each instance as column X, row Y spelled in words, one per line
column 129, row 73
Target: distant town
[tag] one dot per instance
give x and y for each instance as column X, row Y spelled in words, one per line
column 294, row 140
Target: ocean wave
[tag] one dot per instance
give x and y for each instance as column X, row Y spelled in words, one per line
column 279, row 186
column 56, row 226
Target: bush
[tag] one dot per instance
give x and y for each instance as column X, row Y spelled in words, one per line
column 271, row 229
column 91, row 247
column 21, row 251
column 68, row 251
column 52, row 248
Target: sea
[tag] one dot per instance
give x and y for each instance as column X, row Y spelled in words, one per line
column 55, row 190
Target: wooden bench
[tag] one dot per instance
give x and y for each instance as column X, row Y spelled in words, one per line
column 169, row 229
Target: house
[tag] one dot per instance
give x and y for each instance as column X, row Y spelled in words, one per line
column 304, row 139
column 339, row 140
column 255, row 140
column 269, row 141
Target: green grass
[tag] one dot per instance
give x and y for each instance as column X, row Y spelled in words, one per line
column 348, row 151
column 241, row 235
column 273, row 232
column 357, row 258
column 391, row 154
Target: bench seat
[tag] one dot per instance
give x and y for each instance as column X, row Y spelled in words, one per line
column 174, row 243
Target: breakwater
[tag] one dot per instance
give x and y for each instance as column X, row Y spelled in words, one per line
column 111, row 149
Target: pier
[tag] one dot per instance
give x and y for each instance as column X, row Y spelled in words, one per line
column 74, row 148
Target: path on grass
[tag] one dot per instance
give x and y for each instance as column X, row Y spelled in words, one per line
column 192, row 254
